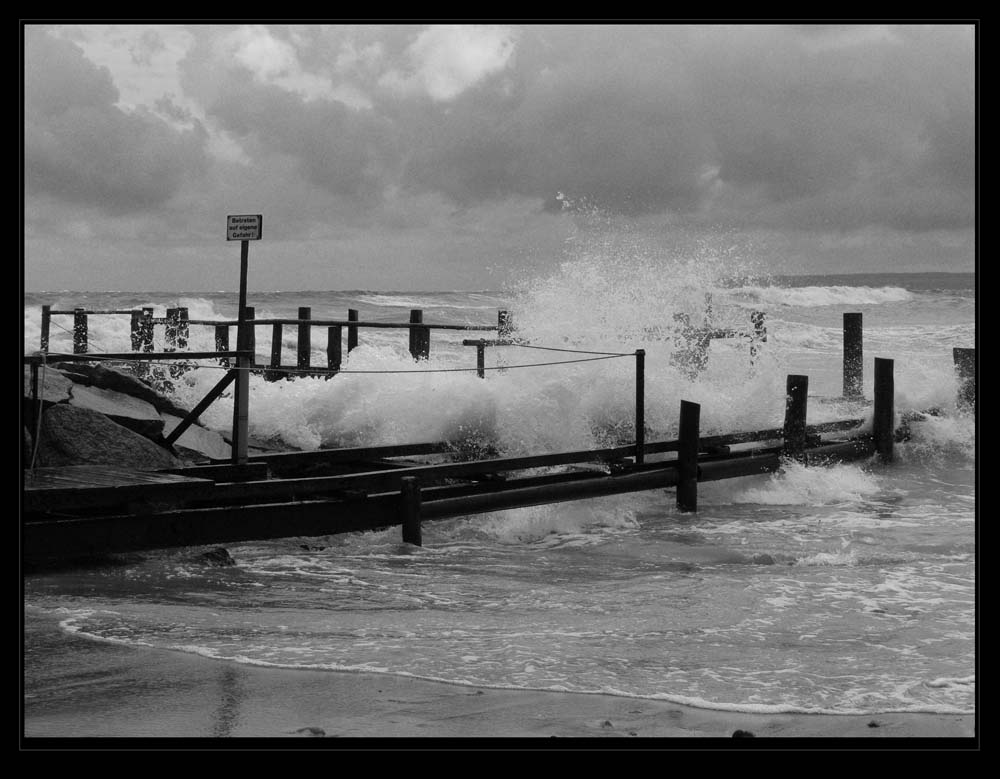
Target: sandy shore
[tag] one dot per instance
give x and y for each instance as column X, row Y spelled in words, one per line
column 80, row 688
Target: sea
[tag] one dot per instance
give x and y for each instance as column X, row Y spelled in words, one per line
column 837, row 589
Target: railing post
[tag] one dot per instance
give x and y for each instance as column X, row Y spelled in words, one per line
column 46, row 319
column 79, row 331
column 334, row 346
column 853, row 356
column 796, row 398
column 640, row 406
column 352, row 330
column 965, row 366
column 147, row 329
column 170, row 331
column 687, row 456
column 883, row 413
column 505, row 325
column 136, row 326
column 183, row 328
column 759, row 334
column 420, row 337
column 305, row 338
column 222, row 343
column 481, row 359
column 409, row 498
column 274, row 374
column 34, row 412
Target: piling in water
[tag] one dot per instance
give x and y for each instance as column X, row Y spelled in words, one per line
column 883, row 414
column 46, row 319
column 334, row 347
column 352, row 331
column 409, row 501
column 853, row 356
column 687, row 456
column 796, row 397
column 965, row 367
column 79, row 331
column 304, row 356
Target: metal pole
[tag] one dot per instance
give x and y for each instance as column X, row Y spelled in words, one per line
column 241, row 417
column 640, row 406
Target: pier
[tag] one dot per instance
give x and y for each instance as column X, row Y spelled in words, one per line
column 84, row 511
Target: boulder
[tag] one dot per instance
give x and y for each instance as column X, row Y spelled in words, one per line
column 119, row 381
column 130, row 412
column 54, row 389
column 72, row 435
column 196, row 441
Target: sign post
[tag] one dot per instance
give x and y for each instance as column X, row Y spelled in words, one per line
column 243, row 228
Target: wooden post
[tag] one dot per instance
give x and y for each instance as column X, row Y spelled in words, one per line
column 409, row 499
column 640, row 406
column 183, row 328
column 35, row 411
column 222, row 343
column 505, row 325
column 420, row 337
column 136, row 330
column 241, row 393
column 170, row 331
column 853, row 357
column 46, row 319
column 305, row 338
column 965, row 366
column 687, row 457
column 274, row 374
column 883, row 415
column 79, row 331
column 796, row 397
column 352, row 331
column 147, row 329
column 334, row 345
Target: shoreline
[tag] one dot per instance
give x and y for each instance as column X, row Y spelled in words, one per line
column 76, row 688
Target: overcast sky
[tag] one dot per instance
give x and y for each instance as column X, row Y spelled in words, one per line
column 453, row 157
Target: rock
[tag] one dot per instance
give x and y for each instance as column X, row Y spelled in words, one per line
column 127, row 411
column 119, row 381
column 762, row 559
column 55, row 388
column 310, row 731
column 196, row 440
column 81, row 436
column 743, row 734
column 218, row 557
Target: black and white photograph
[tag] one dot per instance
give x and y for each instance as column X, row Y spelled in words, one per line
column 499, row 384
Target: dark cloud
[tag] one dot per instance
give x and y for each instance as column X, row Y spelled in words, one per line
column 78, row 146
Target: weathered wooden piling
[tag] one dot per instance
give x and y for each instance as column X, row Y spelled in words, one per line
column 46, row 320
column 304, row 356
column 409, row 502
column 334, row 346
column 79, row 331
column 640, row 406
column 352, row 330
column 883, row 414
column 222, row 343
column 687, row 456
column 420, row 337
column 853, row 356
column 965, row 366
column 796, row 399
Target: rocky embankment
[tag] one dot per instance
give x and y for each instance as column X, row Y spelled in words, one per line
column 92, row 415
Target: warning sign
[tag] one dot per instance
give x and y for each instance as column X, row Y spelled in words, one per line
column 244, row 227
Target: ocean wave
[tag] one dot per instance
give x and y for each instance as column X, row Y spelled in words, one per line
column 809, row 297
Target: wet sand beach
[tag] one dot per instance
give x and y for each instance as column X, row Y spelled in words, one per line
column 78, row 688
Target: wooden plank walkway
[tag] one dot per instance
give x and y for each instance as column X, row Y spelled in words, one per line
column 87, row 486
